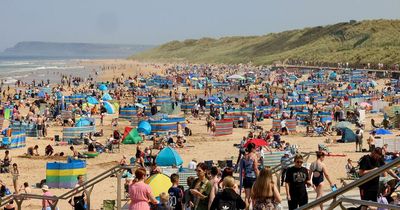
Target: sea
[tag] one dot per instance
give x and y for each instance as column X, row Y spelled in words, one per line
column 39, row 68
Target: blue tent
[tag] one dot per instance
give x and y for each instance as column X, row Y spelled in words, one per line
column 381, row 131
column 82, row 122
column 109, row 107
column 41, row 94
column 106, row 97
column 92, row 100
column 144, row 127
column 103, row 87
column 333, row 76
column 168, row 157
column 348, row 135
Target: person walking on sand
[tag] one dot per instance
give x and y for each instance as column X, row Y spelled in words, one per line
column 295, row 184
column 264, row 193
column 46, row 203
column 250, row 167
column 318, row 171
column 15, row 175
column 140, row 193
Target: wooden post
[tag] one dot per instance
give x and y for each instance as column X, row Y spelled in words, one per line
column 19, row 203
column 119, row 176
column 88, row 193
column 53, row 206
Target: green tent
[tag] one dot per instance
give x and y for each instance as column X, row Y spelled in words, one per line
column 131, row 136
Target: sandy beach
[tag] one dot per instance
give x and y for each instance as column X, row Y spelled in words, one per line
column 201, row 145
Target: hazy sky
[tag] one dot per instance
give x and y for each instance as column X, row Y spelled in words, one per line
column 156, row 22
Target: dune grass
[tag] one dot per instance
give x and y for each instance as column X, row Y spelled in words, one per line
column 370, row 41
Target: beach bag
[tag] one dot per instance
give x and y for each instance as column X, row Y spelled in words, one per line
column 382, row 200
column 79, row 203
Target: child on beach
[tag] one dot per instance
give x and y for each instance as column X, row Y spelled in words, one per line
column 187, row 201
column 15, row 175
column 164, row 202
column 25, row 188
column 175, row 193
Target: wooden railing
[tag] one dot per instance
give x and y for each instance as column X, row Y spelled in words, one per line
column 86, row 187
column 334, row 195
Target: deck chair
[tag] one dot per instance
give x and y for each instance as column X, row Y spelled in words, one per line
column 108, row 204
column 115, row 145
column 352, row 174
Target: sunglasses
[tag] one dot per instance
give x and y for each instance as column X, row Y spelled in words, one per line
column 299, row 162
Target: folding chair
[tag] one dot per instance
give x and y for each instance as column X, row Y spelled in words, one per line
column 115, row 145
column 108, row 204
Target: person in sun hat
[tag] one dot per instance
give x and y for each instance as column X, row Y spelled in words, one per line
column 46, row 204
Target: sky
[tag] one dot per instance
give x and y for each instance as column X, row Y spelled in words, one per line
column 156, row 22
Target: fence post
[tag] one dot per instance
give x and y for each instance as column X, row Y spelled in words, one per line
column 119, row 176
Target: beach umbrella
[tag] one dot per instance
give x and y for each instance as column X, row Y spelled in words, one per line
column 257, row 142
column 109, row 107
column 236, row 76
column 92, row 100
column 343, row 124
column 106, row 97
column 381, row 131
column 103, row 87
column 168, row 157
column 131, row 136
column 159, row 183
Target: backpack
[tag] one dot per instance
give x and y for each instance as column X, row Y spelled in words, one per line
column 226, row 204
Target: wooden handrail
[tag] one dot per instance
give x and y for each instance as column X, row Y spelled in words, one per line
column 363, row 203
column 118, row 169
column 367, row 177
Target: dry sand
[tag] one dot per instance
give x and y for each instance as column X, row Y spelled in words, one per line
column 203, row 146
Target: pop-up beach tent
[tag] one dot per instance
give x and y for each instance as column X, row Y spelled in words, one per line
column 103, row 87
column 144, row 127
column 106, row 97
column 159, row 183
column 131, row 136
column 109, row 107
column 84, row 122
column 92, row 100
column 348, row 135
column 168, row 157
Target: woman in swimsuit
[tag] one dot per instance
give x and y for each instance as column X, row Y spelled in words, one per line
column 318, row 172
column 250, row 167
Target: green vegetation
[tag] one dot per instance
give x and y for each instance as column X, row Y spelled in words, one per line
column 370, row 41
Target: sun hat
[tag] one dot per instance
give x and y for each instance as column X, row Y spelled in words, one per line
column 45, row 188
